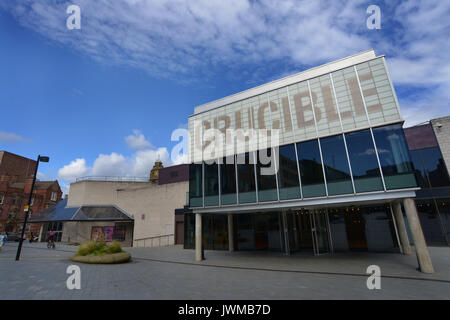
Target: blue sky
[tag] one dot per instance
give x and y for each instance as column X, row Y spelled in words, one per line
column 105, row 99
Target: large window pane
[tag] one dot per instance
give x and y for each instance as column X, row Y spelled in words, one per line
column 195, row 185
column 394, row 157
column 380, row 231
column 336, row 165
column 189, row 231
column 228, row 181
column 430, row 221
column 265, row 170
column 338, row 229
column 211, row 184
column 444, row 211
column 311, row 169
column 435, row 166
column 246, row 178
column 366, row 173
column 288, row 173
column 419, row 170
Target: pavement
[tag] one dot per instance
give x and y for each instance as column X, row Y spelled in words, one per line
column 171, row 273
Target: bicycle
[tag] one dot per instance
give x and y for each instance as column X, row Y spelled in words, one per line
column 50, row 244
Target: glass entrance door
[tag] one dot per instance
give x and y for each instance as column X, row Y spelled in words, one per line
column 320, row 231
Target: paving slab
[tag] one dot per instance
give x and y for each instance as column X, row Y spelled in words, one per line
column 170, row 273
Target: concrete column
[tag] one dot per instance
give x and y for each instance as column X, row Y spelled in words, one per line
column 401, row 228
column 230, row 233
column 420, row 245
column 198, row 237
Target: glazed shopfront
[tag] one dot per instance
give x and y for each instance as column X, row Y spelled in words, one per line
column 315, row 231
column 338, row 170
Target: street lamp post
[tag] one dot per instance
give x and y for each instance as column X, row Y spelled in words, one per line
column 19, row 249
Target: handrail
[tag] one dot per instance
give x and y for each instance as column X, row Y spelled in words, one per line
column 113, row 178
column 147, row 238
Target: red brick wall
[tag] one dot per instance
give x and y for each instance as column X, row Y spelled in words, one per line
column 14, row 165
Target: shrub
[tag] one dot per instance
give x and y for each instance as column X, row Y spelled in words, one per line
column 115, row 247
column 96, row 248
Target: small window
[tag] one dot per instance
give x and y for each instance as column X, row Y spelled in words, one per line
column 143, row 217
column 2, row 196
column 174, row 174
column 32, row 201
column 53, row 197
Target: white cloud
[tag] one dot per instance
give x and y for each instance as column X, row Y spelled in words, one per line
column 175, row 38
column 181, row 159
column 189, row 40
column 138, row 164
column 137, row 141
column 144, row 160
column 9, row 137
column 75, row 169
column 110, row 165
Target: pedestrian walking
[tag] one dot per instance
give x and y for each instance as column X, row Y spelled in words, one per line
column 3, row 238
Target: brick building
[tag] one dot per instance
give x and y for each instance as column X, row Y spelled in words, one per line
column 16, row 177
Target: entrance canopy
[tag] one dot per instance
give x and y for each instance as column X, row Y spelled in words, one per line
column 60, row 212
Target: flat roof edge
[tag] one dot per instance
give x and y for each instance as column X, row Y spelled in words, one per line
column 332, row 66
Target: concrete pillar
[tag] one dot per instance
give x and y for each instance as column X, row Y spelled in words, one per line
column 230, row 233
column 198, row 237
column 401, row 228
column 41, row 230
column 420, row 245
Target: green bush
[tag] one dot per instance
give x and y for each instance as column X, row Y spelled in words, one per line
column 97, row 248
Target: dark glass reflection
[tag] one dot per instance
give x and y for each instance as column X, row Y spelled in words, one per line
column 311, row 172
column 228, row 181
column 419, row 170
column 435, row 166
column 444, row 212
column 195, row 185
column 189, row 231
column 246, row 178
column 211, row 184
column 366, row 173
column 265, row 170
column 394, row 157
column 257, row 231
column 430, row 222
column 336, row 165
column 288, row 181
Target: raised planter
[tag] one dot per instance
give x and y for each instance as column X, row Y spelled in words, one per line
column 120, row 257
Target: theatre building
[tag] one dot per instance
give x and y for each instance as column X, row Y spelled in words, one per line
column 341, row 176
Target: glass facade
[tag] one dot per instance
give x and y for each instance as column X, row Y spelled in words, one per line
column 195, row 185
column 311, row 171
column 361, row 151
column 337, row 170
column 211, row 184
column 228, row 181
column 266, row 176
column 344, row 156
column 288, row 179
column 433, row 227
column 363, row 228
column 429, row 168
column 317, row 231
column 246, row 178
column 394, row 157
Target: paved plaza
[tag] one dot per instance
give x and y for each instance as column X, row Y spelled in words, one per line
column 171, row 273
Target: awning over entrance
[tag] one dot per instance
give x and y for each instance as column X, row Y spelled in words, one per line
column 60, row 212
